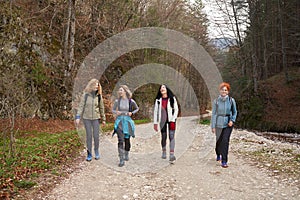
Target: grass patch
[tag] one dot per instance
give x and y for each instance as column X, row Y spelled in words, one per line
column 24, row 184
column 38, row 154
column 283, row 162
column 142, row 121
column 34, row 155
column 204, row 121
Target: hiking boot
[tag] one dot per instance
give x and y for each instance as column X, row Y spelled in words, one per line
column 172, row 158
column 126, row 157
column 97, row 155
column 89, row 156
column 164, row 155
column 121, row 163
column 121, row 156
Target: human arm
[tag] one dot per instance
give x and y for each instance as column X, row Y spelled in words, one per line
column 115, row 108
column 176, row 109
column 102, row 110
column 156, row 115
column 80, row 109
column 135, row 108
column 213, row 116
column 233, row 113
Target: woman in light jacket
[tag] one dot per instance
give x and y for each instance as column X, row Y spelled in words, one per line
column 224, row 115
column 124, row 107
column 91, row 109
column 165, row 115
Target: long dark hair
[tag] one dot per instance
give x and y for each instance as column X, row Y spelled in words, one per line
column 169, row 93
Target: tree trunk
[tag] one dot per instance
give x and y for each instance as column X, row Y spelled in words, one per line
column 283, row 41
column 72, row 38
column 67, row 33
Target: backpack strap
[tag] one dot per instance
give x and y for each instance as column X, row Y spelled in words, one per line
column 130, row 105
column 99, row 100
column 85, row 98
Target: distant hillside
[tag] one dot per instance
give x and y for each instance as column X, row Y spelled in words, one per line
column 222, row 44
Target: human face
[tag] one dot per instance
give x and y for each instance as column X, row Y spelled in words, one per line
column 96, row 86
column 163, row 90
column 122, row 92
column 224, row 91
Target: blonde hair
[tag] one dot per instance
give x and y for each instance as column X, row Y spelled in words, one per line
column 126, row 89
column 91, row 84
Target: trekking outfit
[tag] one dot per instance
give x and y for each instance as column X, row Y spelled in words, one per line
column 165, row 115
column 224, row 110
column 124, row 126
column 91, row 108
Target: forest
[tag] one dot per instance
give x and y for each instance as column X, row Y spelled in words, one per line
column 44, row 43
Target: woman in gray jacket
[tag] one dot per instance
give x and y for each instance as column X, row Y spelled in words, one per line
column 224, row 115
column 91, row 108
column 124, row 108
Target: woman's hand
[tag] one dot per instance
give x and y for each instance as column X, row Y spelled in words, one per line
column 213, row 130
column 155, row 127
column 230, row 123
column 130, row 114
column 77, row 121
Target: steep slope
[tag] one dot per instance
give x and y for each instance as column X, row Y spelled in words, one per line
column 282, row 101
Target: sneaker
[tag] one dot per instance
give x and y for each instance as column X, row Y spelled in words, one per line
column 97, row 155
column 224, row 165
column 164, row 155
column 218, row 158
column 172, row 158
column 89, row 157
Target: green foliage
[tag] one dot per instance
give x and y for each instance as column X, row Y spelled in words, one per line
column 38, row 74
column 142, row 121
column 204, row 121
column 24, row 184
column 250, row 112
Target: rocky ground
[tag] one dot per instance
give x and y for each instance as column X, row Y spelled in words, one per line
column 259, row 168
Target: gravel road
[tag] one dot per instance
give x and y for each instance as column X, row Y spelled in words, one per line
column 194, row 175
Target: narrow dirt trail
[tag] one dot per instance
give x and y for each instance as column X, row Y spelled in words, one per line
column 194, row 175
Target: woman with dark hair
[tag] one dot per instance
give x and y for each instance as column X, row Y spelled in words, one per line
column 165, row 115
column 124, row 107
column 91, row 108
column 224, row 114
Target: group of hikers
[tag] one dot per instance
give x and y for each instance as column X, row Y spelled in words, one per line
column 91, row 111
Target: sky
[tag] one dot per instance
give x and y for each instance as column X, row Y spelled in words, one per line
column 219, row 25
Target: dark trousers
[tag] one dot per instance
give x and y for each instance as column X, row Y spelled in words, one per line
column 122, row 141
column 164, row 138
column 222, row 144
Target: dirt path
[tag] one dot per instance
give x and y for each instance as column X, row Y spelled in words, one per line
column 195, row 174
